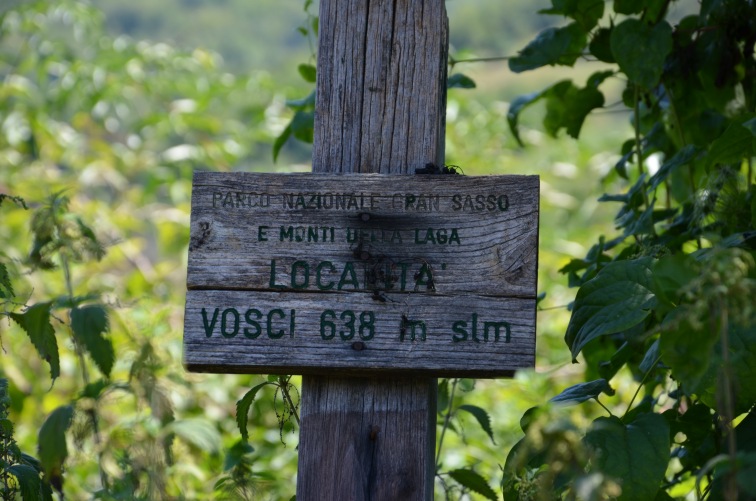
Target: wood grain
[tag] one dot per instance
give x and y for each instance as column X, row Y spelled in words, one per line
column 473, row 234
column 408, row 334
column 381, row 107
column 381, row 89
column 367, row 439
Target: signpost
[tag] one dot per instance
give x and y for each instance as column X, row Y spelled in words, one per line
column 370, row 286
column 303, row 274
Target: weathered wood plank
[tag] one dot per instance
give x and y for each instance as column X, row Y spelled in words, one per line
column 364, row 233
column 439, row 335
column 381, row 86
column 360, row 439
column 380, row 108
column 396, row 462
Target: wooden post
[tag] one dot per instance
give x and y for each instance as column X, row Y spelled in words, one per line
column 381, row 104
column 370, row 286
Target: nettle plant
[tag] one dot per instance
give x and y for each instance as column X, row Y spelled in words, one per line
column 669, row 299
column 59, row 240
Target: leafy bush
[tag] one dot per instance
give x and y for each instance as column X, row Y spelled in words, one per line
column 667, row 300
column 100, row 136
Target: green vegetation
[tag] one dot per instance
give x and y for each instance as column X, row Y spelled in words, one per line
column 99, row 135
column 663, row 319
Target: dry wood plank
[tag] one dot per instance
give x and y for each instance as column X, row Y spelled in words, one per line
column 410, row 334
column 339, row 415
column 316, row 232
column 360, row 439
column 381, row 86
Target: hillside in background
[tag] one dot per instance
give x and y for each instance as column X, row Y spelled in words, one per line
column 262, row 34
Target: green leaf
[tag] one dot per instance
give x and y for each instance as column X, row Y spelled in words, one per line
column 315, row 25
column 745, row 432
column 652, row 9
column 689, row 351
column 6, row 428
column 567, row 106
column 473, row 481
column 600, row 46
column 460, row 81
column 6, row 287
column 302, row 126
column 742, row 360
column 617, row 298
column 89, row 239
column 89, row 324
column 552, row 46
column 710, row 6
column 30, row 485
column 52, row 442
column 640, row 50
column 516, row 107
column 307, row 72
column 750, row 124
column 629, row 6
column 36, row 322
column 672, row 273
column 94, row 390
column 280, row 141
column 236, row 454
column 655, row 9
column 199, row 432
column 530, row 416
column 581, row 392
column 694, row 354
column 484, row 420
column 242, row 409
column 586, row 12
column 516, row 459
column 634, row 454
column 684, row 156
column 607, row 369
column 736, row 144
column 442, row 395
column 651, row 358
column 466, row 384
column 20, row 202
column 306, row 103
column 746, row 473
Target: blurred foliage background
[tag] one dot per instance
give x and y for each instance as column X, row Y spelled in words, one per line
column 112, row 106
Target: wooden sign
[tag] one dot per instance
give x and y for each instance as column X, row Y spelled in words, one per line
column 316, row 274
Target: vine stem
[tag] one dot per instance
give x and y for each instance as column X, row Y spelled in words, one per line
column 447, row 420
column 728, row 412
column 683, row 142
column 549, row 308
column 284, row 385
column 604, row 406
column 640, row 385
column 480, row 60
column 681, row 133
column 638, row 148
column 5, row 490
column 639, row 151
